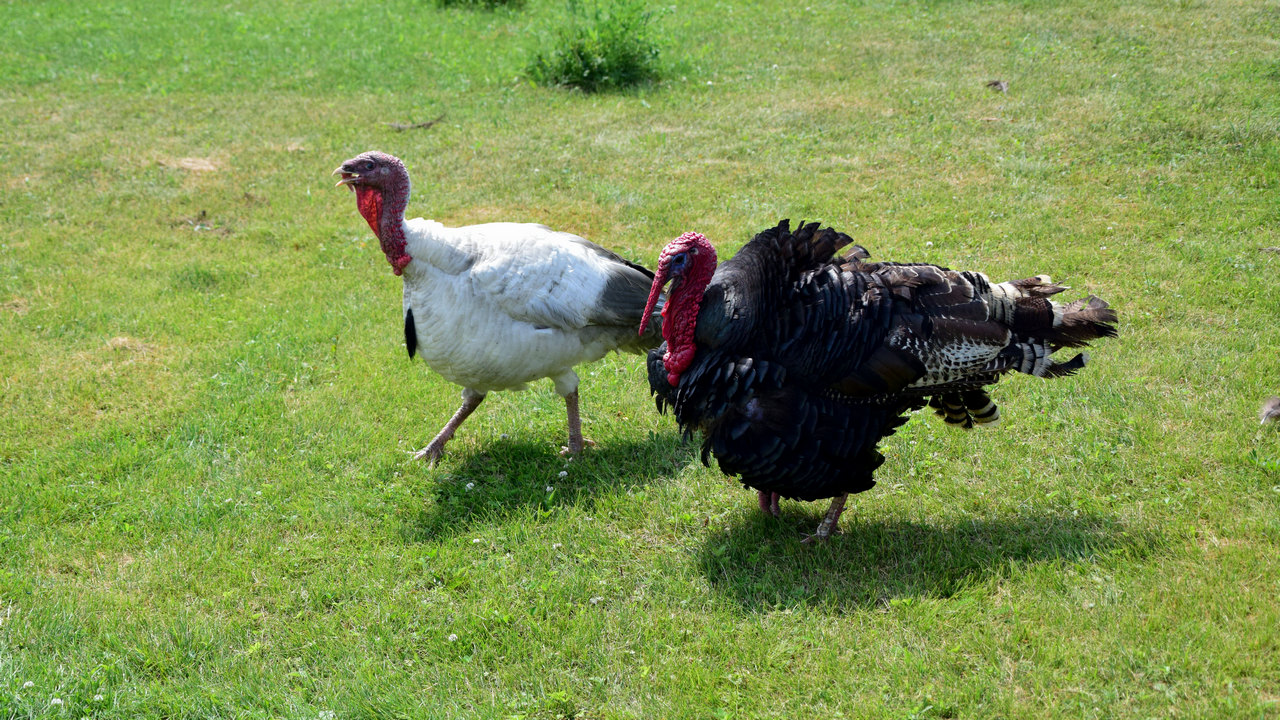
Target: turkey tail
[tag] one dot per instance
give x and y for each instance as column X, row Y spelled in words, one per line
column 1067, row 368
column 966, row 409
column 1038, row 286
column 1024, row 306
column 1086, row 319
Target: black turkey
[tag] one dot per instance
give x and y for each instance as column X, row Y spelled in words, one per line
column 794, row 361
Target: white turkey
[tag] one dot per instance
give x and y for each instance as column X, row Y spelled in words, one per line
column 495, row 306
column 794, row 362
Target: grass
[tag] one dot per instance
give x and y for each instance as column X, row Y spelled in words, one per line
column 205, row 504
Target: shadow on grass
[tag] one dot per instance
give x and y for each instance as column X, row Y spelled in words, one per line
column 508, row 475
column 761, row 563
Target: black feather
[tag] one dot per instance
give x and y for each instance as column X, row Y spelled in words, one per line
column 806, row 360
column 410, row 333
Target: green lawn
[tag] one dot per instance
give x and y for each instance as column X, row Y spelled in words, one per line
column 206, row 503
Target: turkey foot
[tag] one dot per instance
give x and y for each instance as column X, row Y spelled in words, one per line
column 769, row 502
column 432, row 452
column 828, row 524
column 583, row 444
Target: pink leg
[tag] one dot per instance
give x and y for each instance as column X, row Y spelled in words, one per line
column 769, row 502
column 576, row 441
column 432, row 452
column 828, row 524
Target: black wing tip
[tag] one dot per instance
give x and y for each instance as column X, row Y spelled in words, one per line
column 615, row 257
column 410, row 333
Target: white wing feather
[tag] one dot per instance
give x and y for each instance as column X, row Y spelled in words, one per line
column 499, row 305
column 529, row 272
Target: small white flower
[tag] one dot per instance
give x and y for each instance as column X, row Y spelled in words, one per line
column 327, row 715
column 928, row 243
column 28, row 684
column 470, row 485
column 556, row 546
column 227, row 500
column 56, row 701
column 564, row 473
column 550, row 489
column 476, row 541
column 97, row 698
column 596, row 600
column 453, row 638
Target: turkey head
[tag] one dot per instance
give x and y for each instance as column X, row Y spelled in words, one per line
column 688, row 262
column 381, row 184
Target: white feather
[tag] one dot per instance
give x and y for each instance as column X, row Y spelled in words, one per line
column 499, row 305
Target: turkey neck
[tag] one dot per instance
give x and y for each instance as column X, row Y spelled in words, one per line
column 383, row 208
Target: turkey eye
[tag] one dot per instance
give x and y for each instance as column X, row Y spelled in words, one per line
column 368, row 165
column 679, row 261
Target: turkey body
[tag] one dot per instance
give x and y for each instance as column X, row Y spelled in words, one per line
column 496, row 306
column 794, row 362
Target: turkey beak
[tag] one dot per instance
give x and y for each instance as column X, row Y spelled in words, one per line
column 348, row 177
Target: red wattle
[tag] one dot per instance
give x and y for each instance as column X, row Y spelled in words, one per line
column 678, row 329
column 369, row 202
column 680, row 314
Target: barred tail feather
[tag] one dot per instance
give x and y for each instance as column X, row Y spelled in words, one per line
column 1083, row 320
column 1035, row 358
column 951, row 410
column 1069, row 367
column 982, row 408
column 966, row 409
column 1038, row 286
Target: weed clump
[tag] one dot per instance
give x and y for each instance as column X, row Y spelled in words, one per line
column 602, row 47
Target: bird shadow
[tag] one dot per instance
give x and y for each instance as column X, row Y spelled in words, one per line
column 508, row 475
column 760, row 563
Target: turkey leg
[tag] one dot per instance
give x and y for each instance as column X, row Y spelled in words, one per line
column 828, row 524
column 769, row 502
column 432, row 452
column 576, row 441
